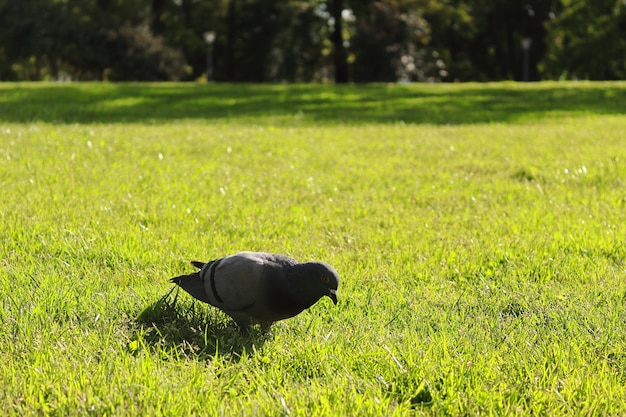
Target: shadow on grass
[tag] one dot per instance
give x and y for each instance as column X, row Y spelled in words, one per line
column 309, row 103
column 173, row 328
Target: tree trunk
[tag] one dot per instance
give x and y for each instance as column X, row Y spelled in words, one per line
column 339, row 52
column 157, row 25
column 54, row 69
column 187, row 13
column 103, row 4
column 231, row 30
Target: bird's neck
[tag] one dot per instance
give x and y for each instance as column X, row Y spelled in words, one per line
column 300, row 291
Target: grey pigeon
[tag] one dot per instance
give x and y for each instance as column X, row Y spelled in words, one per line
column 259, row 287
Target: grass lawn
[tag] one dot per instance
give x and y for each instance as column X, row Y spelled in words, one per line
column 479, row 230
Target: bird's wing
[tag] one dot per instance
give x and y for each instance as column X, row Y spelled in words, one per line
column 239, row 280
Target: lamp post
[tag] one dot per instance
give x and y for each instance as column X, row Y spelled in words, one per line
column 526, row 43
column 209, row 38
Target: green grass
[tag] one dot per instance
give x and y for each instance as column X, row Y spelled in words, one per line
column 478, row 230
column 310, row 105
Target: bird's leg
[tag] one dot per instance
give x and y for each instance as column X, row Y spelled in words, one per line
column 266, row 326
column 244, row 329
column 242, row 320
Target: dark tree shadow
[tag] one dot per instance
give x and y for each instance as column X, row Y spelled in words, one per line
column 318, row 104
column 181, row 328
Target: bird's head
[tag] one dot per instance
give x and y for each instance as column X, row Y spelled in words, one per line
column 321, row 278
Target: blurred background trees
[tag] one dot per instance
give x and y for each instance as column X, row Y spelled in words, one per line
column 312, row 40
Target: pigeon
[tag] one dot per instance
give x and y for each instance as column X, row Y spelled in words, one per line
column 259, row 287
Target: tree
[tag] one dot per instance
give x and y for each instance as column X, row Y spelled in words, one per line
column 588, row 40
column 391, row 42
column 157, row 23
column 85, row 39
column 336, row 8
column 452, row 30
column 300, row 51
column 308, row 40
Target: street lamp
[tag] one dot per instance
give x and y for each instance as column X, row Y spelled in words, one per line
column 526, row 43
column 209, row 38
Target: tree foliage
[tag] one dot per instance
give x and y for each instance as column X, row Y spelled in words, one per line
column 588, row 40
column 85, row 39
column 390, row 43
column 312, row 40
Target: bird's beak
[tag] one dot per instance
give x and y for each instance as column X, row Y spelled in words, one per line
column 332, row 294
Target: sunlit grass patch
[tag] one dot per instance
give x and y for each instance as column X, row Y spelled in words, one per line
column 482, row 260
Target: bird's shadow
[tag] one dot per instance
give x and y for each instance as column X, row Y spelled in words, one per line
column 185, row 329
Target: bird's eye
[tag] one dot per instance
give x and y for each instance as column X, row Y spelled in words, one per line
column 325, row 279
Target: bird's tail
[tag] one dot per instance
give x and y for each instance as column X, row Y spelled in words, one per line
column 179, row 280
column 193, row 284
column 184, row 280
